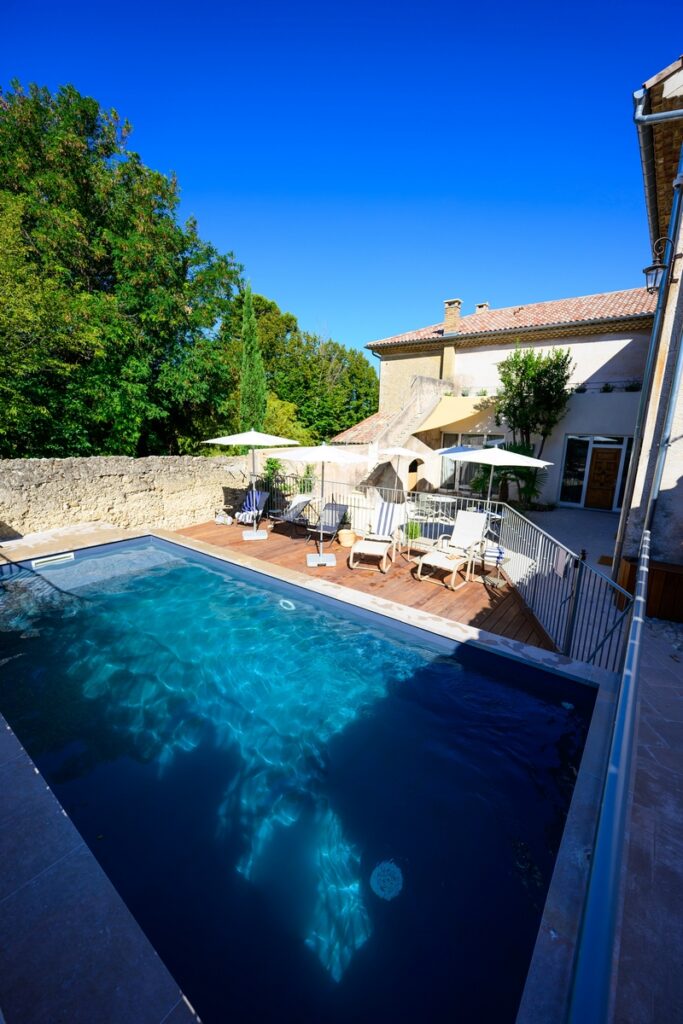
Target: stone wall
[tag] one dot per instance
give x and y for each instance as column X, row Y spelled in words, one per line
column 167, row 491
column 396, row 374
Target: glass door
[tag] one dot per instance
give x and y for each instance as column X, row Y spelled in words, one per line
column 573, row 476
column 594, row 471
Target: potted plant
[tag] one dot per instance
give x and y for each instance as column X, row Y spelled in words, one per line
column 346, row 536
column 412, row 530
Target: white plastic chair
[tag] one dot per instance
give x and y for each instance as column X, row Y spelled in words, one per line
column 455, row 550
column 380, row 543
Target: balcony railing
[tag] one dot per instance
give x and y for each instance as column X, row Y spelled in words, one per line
column 584, row 613
column 593, row 970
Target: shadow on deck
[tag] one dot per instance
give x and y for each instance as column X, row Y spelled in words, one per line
column 498, row 610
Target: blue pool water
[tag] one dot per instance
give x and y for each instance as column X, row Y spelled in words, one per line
column 316, row 816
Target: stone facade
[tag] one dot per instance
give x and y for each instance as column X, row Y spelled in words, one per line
column 397, row 373
column 165, row 491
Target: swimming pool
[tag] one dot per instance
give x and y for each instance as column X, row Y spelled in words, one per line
column 313, row 815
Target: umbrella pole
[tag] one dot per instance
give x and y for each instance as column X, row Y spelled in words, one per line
column 254, row 533
column 322, row 505
column 490, row 486
column 253, row 486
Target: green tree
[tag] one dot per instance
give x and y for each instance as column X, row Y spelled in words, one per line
column 275, row 329
column 281, row 419
column 114, row 305
column 331, row 386
column 253, row 393
column 533, row 395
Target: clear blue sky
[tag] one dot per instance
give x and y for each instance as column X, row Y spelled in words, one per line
column 366, row 161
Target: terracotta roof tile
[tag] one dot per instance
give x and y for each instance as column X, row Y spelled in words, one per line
column 367, row 430
column 633, row 302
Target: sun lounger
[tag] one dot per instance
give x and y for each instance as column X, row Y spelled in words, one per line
column 455, row 550
column 294, row 514
column 380, row 544
column 252, row 509
column 329, row 524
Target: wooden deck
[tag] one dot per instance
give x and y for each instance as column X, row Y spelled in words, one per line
column 500, row 611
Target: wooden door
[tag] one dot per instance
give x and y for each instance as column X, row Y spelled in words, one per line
column 602, row 479
column 412, row 474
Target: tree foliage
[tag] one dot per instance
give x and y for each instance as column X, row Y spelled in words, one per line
column 252, row 374
column 121, row 331
column 331, row 386
column 281, row 420
column 533, row 395
column 114, row 305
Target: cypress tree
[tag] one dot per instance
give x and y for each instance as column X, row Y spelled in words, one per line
column 252, row 375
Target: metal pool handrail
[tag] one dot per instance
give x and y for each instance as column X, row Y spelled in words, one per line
column 592, row 981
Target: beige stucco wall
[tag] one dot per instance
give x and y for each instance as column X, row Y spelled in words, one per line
column 611, row 414
column 604, row 358
column 396, row 373
column 39, row 494
column 600, row 358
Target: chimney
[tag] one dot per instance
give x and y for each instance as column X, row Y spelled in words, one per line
column 451, row 315
column 481, row 307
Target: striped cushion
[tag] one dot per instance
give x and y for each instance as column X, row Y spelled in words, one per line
column 388, row 515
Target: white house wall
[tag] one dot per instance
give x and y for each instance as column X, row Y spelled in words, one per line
column 604, row 358
column 593, row 413
column 612, row 413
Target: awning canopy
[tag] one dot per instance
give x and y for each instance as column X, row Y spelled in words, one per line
column 461, row 415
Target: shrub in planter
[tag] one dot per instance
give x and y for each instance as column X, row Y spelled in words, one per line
column 412, row 530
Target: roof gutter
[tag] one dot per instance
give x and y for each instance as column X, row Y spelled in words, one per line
column 565, row 328
column 644, row 124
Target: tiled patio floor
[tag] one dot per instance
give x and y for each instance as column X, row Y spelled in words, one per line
column 582, row 529
column 650, row 978
column 499, row 611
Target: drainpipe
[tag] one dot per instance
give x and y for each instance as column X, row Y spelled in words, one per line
column 644, row 121
column 665, row 442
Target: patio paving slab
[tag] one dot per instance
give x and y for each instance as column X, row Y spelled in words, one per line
column 650, row 976
column 70, row 950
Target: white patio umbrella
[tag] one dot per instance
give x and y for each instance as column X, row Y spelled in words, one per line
column 399, row 453
column 493, row 457
column 324, row 454
column 253, row 439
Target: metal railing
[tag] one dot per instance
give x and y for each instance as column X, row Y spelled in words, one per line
column 583, row 612
column 593, row 965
